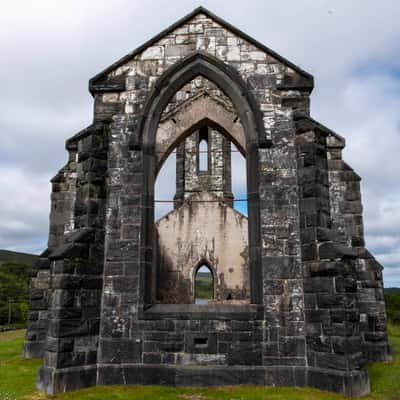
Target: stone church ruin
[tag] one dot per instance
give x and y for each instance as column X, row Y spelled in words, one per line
column 296, row 299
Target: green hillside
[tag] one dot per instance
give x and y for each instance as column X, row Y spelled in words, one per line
column 14, row 257
column 392, row 300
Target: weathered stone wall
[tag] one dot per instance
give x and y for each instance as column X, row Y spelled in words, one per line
column 280, row 226
column 76, row 264
column 217, row 179
column 212, row 233
column 346, row 208
column 331, row 304
column 63, row 201
column 61, row 222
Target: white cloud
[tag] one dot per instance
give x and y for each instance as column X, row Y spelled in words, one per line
column 391, row 277
column 24, row 209
column 383, row 242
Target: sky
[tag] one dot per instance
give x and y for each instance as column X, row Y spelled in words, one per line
column 50, row 49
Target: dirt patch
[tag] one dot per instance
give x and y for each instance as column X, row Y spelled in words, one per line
column 8, row 335
column 192, row 396
column 35, row 396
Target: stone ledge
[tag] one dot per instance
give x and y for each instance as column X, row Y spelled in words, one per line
column 204, row 311
column 62, row 380
column 353, row 383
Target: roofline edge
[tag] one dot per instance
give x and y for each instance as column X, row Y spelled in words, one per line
column 181, row 21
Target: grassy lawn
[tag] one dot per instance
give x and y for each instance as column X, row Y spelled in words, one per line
column 18, row 377
column 204, row 286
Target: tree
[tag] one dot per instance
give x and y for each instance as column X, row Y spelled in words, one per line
column 14, row 292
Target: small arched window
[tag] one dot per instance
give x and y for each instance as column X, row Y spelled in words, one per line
column 203, row 285
column 203, row 149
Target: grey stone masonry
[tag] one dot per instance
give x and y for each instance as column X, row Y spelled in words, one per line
column 314, row 310
column 38, row 314
column 346, row 209
column 216, row 179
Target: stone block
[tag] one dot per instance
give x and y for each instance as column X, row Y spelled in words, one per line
column 319, row 285
column 120, row 351
column 281, row 268
column 292, row 346
column 242, row 353
column 322, row 268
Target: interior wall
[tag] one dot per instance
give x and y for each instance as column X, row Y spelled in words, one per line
column 196, row 233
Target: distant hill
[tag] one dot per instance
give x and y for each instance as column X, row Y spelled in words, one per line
column 14, row 257
column 392, row 290
column 392, row 299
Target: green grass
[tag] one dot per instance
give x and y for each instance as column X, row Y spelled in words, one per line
column 392, row 300
column 385, row 377
column 204, row 286
column 18, row 377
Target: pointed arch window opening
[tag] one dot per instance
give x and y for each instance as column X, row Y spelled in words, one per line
column 225, row 77
column 203, row 150
column 203, row 285
column 164, row 193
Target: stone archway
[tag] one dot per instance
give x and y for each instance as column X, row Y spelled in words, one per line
column 229, row 81
column 192, row 115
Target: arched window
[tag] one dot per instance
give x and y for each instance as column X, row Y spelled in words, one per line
column 250, row 118
column 203, row 149
column 203, row 285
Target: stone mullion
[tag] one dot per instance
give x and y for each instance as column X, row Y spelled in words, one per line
column 215, row 156
column 227, row 174
column 192, row 179
column 180, row 175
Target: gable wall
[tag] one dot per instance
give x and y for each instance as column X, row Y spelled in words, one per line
column 213, row 233
column 279, row 217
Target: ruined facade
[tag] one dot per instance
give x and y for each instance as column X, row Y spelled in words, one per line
column 311, row 309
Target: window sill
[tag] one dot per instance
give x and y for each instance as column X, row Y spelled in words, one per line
column 204, row 311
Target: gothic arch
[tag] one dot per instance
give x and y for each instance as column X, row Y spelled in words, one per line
column 192, row 115
column 231, row 83
column 213, row 272
column 180, row 135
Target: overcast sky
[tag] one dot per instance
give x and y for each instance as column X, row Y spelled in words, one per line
column 50, row 49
